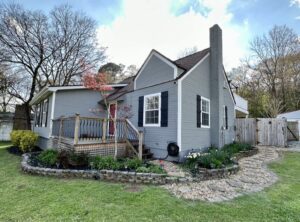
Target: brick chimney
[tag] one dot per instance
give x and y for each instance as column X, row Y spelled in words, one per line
column 216, row 85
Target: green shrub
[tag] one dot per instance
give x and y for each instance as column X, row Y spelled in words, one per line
column 16, row 136
column 150, row 169
column 133, row 164
column 215, row 158
column 48, row 158
column 28, row 141
column 156, row 169
column 24, row 139
column 143, row 169
column 107, row 163
column 234, row 148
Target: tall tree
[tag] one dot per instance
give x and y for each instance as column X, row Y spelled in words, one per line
column 6, row 82
column 117, row 72
column 273, row 67
column 112, row 71
column 53, row 49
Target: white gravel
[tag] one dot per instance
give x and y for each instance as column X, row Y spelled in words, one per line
column 253, row 176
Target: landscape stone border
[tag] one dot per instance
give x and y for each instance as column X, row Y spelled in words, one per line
column 133, row 177
column 211, row 174
column 106, row 175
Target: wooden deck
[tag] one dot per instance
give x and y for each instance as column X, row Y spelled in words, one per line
column 97, row 136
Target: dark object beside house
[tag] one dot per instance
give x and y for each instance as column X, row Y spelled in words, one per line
column 173, row 149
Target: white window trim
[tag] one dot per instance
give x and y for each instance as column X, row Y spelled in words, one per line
column 205, row 126
column 159, row 110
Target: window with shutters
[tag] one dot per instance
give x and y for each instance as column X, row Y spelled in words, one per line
column 205, row 112
column 152, row 109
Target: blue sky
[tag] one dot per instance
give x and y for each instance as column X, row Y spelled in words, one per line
column 131, row 28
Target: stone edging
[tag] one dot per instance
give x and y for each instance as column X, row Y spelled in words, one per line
column 211, row 174
column 106, row 175
column 133, row 177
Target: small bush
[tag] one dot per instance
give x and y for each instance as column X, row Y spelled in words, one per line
column 48, row 158
column 28, row 141
column 156, row 169
column 234, row 148
column 150, row 169
column 107, row 163
column 143, row 169
column 16, row 136
column 215, row 158
column 24, row 139
column 133, row 164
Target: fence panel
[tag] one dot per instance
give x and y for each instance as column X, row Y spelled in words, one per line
column 262, row 131
column 246, row 130
column 293, row 130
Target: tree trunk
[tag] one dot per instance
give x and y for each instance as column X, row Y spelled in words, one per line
column 22, row 119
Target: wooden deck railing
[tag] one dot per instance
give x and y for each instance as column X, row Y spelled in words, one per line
column 98, row 130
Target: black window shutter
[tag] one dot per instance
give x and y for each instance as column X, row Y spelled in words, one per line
column 41, row 114
column 164, row 109
column 47, row 110
column 198, row 111
column 141, row 111
column 226, row 117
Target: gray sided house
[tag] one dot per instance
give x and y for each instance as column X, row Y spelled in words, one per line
column 54, row 102
column 187, row 102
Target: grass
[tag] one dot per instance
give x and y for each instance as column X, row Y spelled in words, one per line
column 33, row 198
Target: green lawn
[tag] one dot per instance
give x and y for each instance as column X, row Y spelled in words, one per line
column 32, row 198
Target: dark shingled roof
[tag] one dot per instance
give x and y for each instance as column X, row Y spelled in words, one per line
column 190, row 61
column 121, row 91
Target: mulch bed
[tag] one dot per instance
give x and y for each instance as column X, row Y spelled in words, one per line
column 16, row 151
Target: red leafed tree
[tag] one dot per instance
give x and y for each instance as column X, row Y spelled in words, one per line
column 99, row 82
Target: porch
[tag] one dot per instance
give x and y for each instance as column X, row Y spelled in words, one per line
column 97, row 136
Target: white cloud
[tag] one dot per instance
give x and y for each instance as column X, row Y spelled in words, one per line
column 295, row 2
column 297, row 17
column 145, row 25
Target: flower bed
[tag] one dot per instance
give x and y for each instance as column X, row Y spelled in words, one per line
column 107, row 175
column 69, row 160
column 131, row 171
column 218, row 163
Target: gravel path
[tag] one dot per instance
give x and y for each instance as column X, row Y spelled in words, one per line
column 252, row 177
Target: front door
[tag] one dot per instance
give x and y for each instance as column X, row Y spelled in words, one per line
column 112, row 111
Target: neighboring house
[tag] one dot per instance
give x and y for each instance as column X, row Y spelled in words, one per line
column 6, row 125
column 241, row 106
column 293, row 119
column 187, row 102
